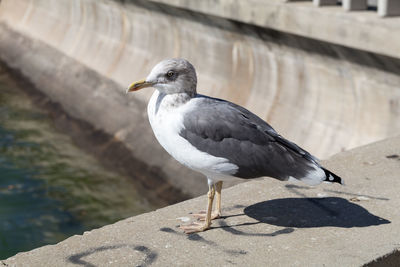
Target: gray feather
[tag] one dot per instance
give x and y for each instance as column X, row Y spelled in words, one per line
column 223, row 129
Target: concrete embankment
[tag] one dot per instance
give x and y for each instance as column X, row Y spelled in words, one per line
column 265, row 223
column 83, row 54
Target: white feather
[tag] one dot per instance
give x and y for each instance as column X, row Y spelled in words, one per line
column 314, row 177
column 167, row 122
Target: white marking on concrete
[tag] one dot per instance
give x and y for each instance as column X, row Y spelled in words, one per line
column 183, row 219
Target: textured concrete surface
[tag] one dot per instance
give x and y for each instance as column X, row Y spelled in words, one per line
column 266, row 223
column 83, row 54
column 363, row 30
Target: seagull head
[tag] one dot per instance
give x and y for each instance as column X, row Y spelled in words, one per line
column 170, row 76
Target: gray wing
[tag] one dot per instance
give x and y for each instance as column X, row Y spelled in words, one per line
column 226, row 130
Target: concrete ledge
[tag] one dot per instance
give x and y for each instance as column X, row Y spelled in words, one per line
column 266, row 223
column 362, row 30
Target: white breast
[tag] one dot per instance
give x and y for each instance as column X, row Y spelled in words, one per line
column 166, row 121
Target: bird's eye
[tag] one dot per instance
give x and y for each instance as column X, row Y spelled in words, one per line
column 170, row 73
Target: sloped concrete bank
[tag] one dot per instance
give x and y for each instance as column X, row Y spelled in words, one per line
column 111, row 152
column 83, row 54
column 265, row 223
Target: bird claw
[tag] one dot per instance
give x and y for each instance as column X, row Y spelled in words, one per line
column 201, row 215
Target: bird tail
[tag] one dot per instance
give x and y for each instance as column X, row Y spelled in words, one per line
column 331, row 177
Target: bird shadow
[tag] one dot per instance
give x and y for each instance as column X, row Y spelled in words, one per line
column 313, row 212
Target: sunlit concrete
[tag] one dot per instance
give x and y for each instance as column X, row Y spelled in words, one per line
column 324, row 96
column 266, row 223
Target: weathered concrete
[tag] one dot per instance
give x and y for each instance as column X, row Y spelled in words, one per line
column 267, row 223
column 83, row 54
column 361, row 30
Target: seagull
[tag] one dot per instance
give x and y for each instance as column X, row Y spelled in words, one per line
column 219, row 139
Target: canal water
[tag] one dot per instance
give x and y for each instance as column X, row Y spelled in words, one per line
column 49, row 188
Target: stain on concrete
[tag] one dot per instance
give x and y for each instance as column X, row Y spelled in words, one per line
column 191, row 237
column 167, row 230
column 150, row 256
column 236, row 252
column 198, row 238
column 358, row 199
column 394, row 156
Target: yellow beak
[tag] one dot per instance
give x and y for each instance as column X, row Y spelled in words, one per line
column 139, row 85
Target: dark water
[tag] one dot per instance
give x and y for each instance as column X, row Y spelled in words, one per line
column 49, row 188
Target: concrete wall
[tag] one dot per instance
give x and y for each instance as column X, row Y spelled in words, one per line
column 324, row 96
column 363, row 30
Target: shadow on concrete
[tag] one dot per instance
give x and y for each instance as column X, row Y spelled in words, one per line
column 312, row 212
column 232, row 229
column 292, row 213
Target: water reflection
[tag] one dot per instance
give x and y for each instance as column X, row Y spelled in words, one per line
column 49, row 188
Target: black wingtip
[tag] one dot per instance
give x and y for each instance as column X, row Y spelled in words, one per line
column 331, row 177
